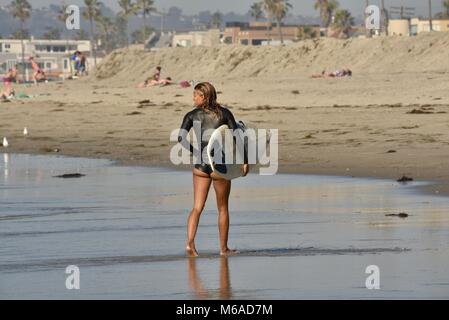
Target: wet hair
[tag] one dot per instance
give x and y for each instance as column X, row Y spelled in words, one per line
column 158, row 68
column 168, row 78
column 210, row 97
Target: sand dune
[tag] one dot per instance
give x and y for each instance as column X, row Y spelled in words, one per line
column 425, row 53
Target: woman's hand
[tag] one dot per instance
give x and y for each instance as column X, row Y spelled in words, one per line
column 245, row 170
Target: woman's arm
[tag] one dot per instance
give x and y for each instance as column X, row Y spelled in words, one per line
column 186, row 125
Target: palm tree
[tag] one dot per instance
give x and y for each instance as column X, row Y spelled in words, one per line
column 21, row 10
column 385, row 17
column 332, row 7
column 81, row 35
column 129, row 8
column 446, row 6
column 91, row 12
column 256, row 10
column 430, row 16
column 306, row 32
column 107, row 28
column 147, row 6
column 343, row 23
column 216, row 20
column 281, row 8
column 327, row 9
column 269, row 7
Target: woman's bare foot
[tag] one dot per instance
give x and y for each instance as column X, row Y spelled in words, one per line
column 228, row 252
column 191, row 251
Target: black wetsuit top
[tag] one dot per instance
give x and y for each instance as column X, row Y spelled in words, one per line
column 209, row 121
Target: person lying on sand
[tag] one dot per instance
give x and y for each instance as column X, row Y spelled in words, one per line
column 152, row 83
column 165, row 82
column 345, row 72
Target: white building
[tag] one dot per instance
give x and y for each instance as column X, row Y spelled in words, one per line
column 197, row 38
column 53, row 56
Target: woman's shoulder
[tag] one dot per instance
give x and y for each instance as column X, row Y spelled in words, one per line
column 193, row 112
column 224, row 108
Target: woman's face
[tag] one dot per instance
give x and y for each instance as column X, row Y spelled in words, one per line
column 198, row 98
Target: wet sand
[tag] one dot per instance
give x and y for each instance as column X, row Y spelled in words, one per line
column 301, row 236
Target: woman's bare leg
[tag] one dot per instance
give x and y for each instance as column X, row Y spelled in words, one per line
column 201, row 185
column 222, row 190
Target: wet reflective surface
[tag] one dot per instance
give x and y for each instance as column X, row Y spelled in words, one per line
column 299, row 236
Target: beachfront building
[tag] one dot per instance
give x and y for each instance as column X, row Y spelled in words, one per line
column 206, row 38
column 418, row 25
column 258, row 33
column 242, row 33
column 53, row 56
column 399, row 27
column 415, row 26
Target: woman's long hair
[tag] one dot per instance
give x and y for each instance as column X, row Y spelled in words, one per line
column 210, row 97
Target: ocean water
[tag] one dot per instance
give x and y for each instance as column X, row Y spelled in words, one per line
column 299, row 236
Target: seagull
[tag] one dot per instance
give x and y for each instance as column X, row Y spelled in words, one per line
column 5, row 142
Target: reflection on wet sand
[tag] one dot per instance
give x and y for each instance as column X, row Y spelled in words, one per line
column 125, row 227
column 201, row 292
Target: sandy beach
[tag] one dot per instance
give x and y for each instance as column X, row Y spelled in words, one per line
column 390, row 119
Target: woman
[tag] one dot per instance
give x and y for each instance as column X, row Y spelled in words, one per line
column 8, row 80
column 151, row 81
column 211, row 116
column 38, row 73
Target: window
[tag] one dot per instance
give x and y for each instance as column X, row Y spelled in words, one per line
column 7, row 46
column 21, row 66
column 227, row 40
column 66, row 64
column 1, row 47
column 58, row 48
column 48, row 65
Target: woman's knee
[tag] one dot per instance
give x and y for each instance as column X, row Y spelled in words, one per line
column 223, row 210
column 197, row 210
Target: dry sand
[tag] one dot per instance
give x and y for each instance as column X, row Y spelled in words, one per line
column 326, row 126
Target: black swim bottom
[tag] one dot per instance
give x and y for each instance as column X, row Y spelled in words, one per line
column 206, row 168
